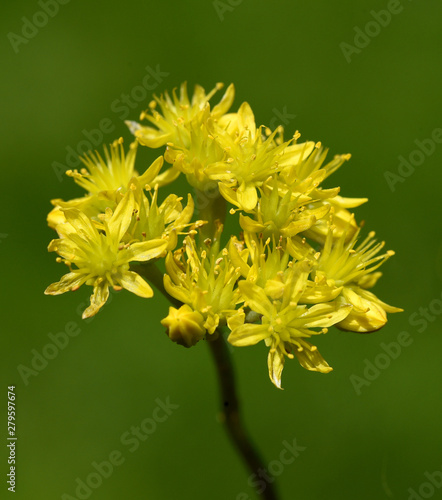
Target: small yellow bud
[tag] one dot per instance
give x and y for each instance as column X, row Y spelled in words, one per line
column 184, row 325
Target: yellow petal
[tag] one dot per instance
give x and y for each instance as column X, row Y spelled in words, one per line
column 247, row 197
column 274, row 289
column 55, row 217
column 372, row 297
column 121, row 218
column 295, row 153
column 248, row 334
column 297, row 226
column 369, row 280
column 98, row 299
column 348, row 202
column 82, row 224
column 151, row 173
column 255, row 297
column 237, row 260
column 352, row 297
column 275, row 362
column 296, row 283
column 226, row 102
column 176, row 291
column 248, row 224
column 322, row 315
column 211, row 323
column 146, row 250
column 166, row 177
column 314, row 293
column 236, row 320
column 135, row 283
column 228, row 194
column 186, row 214
column 312, row 360
column 69, row 282
column 151, row 137
column 66, row 249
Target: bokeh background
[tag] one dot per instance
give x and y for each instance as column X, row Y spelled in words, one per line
column 286, row 59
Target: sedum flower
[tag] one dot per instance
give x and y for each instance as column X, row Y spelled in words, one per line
column 269, row 266
column 287, row 215
column 251, row 157
column 171, row 125
column 285, row 324
column 305, row 177
column 352, row 267
column 204, row 279
column 169, row 219
column 184, row 325
column 105, row 180
column 101, row 258
column 111, row 173
column 295, row 270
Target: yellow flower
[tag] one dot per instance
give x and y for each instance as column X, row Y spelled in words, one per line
column 286, row 215
column 101, row 259
column 167, row 220
column 251, row 159
column 105, row 180
column 202, row 150
column 109, row 174
column 352, row 267
column 269, row 267
column 342, row 219
column 203, row 279
column 285, row 324
column 304, row 177
column 171, row 125
column 184, row 326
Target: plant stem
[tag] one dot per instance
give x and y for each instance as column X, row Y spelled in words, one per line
column 211, row 208
column 230, row 411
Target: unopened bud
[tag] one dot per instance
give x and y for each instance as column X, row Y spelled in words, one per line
column 184, row 325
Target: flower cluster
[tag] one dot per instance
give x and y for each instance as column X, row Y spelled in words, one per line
column 297, row 268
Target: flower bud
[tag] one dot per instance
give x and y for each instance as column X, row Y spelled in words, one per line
column 184, row 325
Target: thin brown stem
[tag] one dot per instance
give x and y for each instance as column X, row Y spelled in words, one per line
column 230, row 411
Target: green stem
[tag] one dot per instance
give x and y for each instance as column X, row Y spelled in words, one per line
column 211, row 207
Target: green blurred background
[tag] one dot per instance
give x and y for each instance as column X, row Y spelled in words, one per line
column 284, row 58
